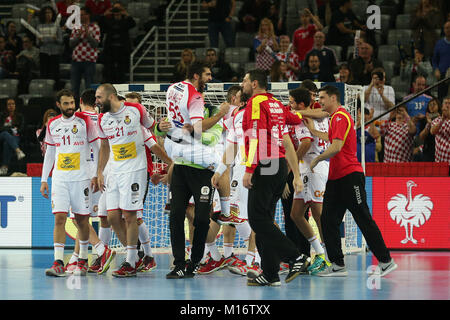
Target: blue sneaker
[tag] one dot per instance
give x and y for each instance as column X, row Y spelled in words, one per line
column 319, row 264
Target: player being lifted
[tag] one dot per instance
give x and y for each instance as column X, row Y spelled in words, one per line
column 122, row 130
column 70, row 137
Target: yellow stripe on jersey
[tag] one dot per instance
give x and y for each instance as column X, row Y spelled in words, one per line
column 243, row 155
column 256, row 101
column 124, row 151
column 251, row 152
column 348, row 121
column 68, row 161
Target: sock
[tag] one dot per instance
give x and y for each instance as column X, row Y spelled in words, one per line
column 227, row 249
column 105, row 235
column 215, row 254
column 84, row 247
column 189, row 250
column 257, row 257
column 225, row 206
column 58, row 249
column 144, row 237
column 131, row 255
column 205, row 255
column 99, row 248
column 73, row 258
column 249, row 258
column 315, row 243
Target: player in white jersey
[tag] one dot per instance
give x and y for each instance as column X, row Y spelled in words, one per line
column 120, row 129
column 314, row 182
column 69, row 140
column 105, row 255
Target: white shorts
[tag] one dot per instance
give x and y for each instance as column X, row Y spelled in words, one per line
column 313, row 183
column 125, row 191
column 74, row 195
column 239, row 194
column 216, row 202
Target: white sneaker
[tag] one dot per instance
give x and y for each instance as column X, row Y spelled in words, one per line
column 387, row 267
column 333, row 271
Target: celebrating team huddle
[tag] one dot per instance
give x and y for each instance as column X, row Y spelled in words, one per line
column 236, row 155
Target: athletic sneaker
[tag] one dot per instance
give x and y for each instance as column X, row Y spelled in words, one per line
column 192, row 269
column 236, row 265
column 139, row 265
column 107, row 256
column 297, row 267
column 125, row 270
column 253, row 271
column 82, row 268
column 333, row 271
column 176, row 273
column 148, row 264
column 284, row 268
column 262, row 280
column 319, row 264
column 387, row 267
column 70, row 267
column 56, row 270
column 212, row 265
column 231, row 219
column 96, row 265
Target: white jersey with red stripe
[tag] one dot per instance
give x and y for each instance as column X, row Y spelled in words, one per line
column 94, row 118
column 236, row 135
column 126, row 137
column 185, row 105
column 71, row 138
column 318, row 146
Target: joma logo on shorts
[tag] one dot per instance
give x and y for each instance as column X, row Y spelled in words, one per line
column 357, row 194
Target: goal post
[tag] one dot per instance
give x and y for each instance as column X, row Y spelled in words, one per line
column 155, row 217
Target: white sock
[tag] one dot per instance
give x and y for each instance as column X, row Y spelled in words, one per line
column 225, row 206
column 105, row 235
column 131, row 255
column 257, row 257
column 189, row 249
column 144, row 237
column 58, row 250
column 249, row 258
column 227, row 249
column 215, row 254
column 84, row 248
column 73, row 258
column 99, row 248
column 205, row 254
column 244, row 230
column 315, row 243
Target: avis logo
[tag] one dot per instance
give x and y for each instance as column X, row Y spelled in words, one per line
column 410, row 212
column 4, row 209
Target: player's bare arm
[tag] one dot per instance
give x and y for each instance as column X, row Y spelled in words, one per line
column 49, row 160
column 305, row 145
column 319, row 134
column 292, row 160
column 331, row 151
column 227, row 159
column 203, row 125
column 313, row 113
column 103, row 157
column 161, row 153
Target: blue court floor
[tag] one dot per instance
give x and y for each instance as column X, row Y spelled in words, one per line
column 420, row 276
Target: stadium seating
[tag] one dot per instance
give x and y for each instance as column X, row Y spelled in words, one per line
column 396, row 35
column 19, row 11
column 8, row 87
column 237, row 54
column 388, row 53
column 389, row 68
column 139, row 10
column 403, row 21
column 400, row 86
column 244, row 39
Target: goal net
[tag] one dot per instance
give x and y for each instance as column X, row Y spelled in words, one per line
column 155, row 217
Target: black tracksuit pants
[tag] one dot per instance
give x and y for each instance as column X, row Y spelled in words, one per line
column 273, row 246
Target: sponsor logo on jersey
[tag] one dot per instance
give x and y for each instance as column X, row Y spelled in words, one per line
column 68, row 161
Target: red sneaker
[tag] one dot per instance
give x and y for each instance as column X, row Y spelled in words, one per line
column 82, row 268
column 254, row 271
column 148, row 263
column 211, row 266
column 107, row 256
column 284, row 268
column 139, row 265
column 96, row 265
column 56, row 270
column 125, row 270
column 70, row 267
column 232, row 219
column 236, row 265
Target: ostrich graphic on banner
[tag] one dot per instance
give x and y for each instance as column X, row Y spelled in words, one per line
column 409, row 212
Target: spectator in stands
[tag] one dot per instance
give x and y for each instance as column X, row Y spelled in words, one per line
column 180, row 69
column 424, row 22
column 371, row 135
column 11, row 127
column 399, row 137
column 40, row 133
column 7, row 60
column 50, row 44
column 221, row 70
column 362, row 67
column 428, row 140
column 13, row 41
column 220, row 13
column 98, row 8
column 274, row 16
column 287, row 55
column 440, row 128
column 303, row 38
column 290, row 10
column 441, row 59
column 265, row 45
column 377, row 95
column 85, row 42
column 278, row 72
column 62, row 8
column 116, row 25
column 343, row 26
column 27, row 64
column 313, row 71
column 345, row 75
column 251, row 14
column 418, row 65
column 327, row 56
column 418, row 106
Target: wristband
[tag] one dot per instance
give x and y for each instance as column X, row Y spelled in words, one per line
column 221, row 168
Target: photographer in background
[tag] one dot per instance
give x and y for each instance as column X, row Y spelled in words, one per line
column 409, row 69
column 377, row 95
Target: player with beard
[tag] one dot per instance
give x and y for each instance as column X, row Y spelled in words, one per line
column 70, row 137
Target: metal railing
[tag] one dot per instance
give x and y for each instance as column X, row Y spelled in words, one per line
column 152, row 44
column 170, row 15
